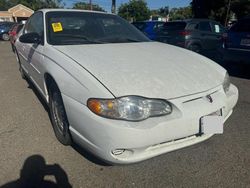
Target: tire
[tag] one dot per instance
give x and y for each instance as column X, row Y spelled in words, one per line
column 5, row 37
column 195, row 48
column 58, row 116
column 22, row 73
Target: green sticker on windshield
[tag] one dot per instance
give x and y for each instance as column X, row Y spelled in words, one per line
column 57, row 27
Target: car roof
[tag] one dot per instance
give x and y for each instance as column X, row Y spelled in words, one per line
column 149, row 21
column 194, row 20
column 71, row 10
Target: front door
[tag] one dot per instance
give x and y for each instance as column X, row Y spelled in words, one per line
column 33, row 53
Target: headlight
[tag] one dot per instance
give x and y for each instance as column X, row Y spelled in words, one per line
column 226, row 83
column 131, row 108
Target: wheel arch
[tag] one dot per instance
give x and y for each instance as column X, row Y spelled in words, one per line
column 48, row 79
column 195, row 42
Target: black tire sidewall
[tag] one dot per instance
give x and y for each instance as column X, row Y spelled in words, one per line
column 65, row 137
column 195, row 48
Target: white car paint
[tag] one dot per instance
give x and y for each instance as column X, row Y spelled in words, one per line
column 149, row 69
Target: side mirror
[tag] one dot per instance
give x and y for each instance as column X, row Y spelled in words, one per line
column 33, row 38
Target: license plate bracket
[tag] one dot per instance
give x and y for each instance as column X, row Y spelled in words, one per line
column 212, row 123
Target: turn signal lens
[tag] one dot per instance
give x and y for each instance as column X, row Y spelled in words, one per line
column 95, row 106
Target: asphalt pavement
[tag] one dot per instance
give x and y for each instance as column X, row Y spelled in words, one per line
column 29, row 149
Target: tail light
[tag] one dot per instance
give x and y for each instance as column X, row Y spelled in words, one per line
column 184, row 33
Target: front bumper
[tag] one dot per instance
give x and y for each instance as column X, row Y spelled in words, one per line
column 142, row 140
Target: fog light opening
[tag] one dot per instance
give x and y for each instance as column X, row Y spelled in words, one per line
column 118, row 151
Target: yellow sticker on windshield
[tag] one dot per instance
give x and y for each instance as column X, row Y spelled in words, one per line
column 57, row 27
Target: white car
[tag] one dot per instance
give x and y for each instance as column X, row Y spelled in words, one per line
column 118, row 94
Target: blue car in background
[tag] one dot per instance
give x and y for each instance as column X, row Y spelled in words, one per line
column 236, row 42
column 149, row 28
column 4, row 30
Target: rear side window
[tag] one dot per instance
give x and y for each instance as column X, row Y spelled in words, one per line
column 192, row 26
column 217, row 28
column 175, row 25
column 241, row 26
column 205, row 26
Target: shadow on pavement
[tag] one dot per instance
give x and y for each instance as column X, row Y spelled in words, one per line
column 89, row 156
column 33, row 172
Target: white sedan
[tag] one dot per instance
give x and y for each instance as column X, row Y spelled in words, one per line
column 118, row 94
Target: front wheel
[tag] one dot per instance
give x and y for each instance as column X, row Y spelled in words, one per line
column 58, row 116
column 5, row 37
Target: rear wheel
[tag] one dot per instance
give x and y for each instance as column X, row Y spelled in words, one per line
column 5, row 37
column 58, row 115
column 195, row 48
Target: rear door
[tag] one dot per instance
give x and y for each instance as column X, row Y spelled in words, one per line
column 217, row 30
column 206, row 35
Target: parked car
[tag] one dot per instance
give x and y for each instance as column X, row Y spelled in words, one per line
column 108, row 93
column 4, row 29
column 198, row 35
column 236, row 42
column 149, row 28
column 14, row 30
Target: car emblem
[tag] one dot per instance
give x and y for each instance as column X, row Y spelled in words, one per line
column 209, row 98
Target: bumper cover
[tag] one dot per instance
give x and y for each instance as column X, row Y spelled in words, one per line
column 149, row 138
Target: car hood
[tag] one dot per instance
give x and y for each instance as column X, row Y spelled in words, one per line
column 149, row 69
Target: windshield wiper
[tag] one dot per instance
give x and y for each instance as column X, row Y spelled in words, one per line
column 81, row 37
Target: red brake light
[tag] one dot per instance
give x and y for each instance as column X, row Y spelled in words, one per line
column 184, row 33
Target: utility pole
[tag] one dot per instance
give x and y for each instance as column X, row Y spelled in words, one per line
column 90, row 5
column 113, row 8
column 228, row 10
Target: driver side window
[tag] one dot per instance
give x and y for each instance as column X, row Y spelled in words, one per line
column 35, row 24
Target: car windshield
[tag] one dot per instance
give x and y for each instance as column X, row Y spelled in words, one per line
column 70, row 28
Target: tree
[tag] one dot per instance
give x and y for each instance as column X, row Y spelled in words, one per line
column 180, row 13
column 135, row 10
column 241, row 8
column 163, row 12
column 86, row 6
column 218, row 9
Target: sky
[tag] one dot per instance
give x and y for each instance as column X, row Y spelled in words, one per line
column 153, row 4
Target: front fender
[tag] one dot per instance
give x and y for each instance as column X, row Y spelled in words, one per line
column 72, row 79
